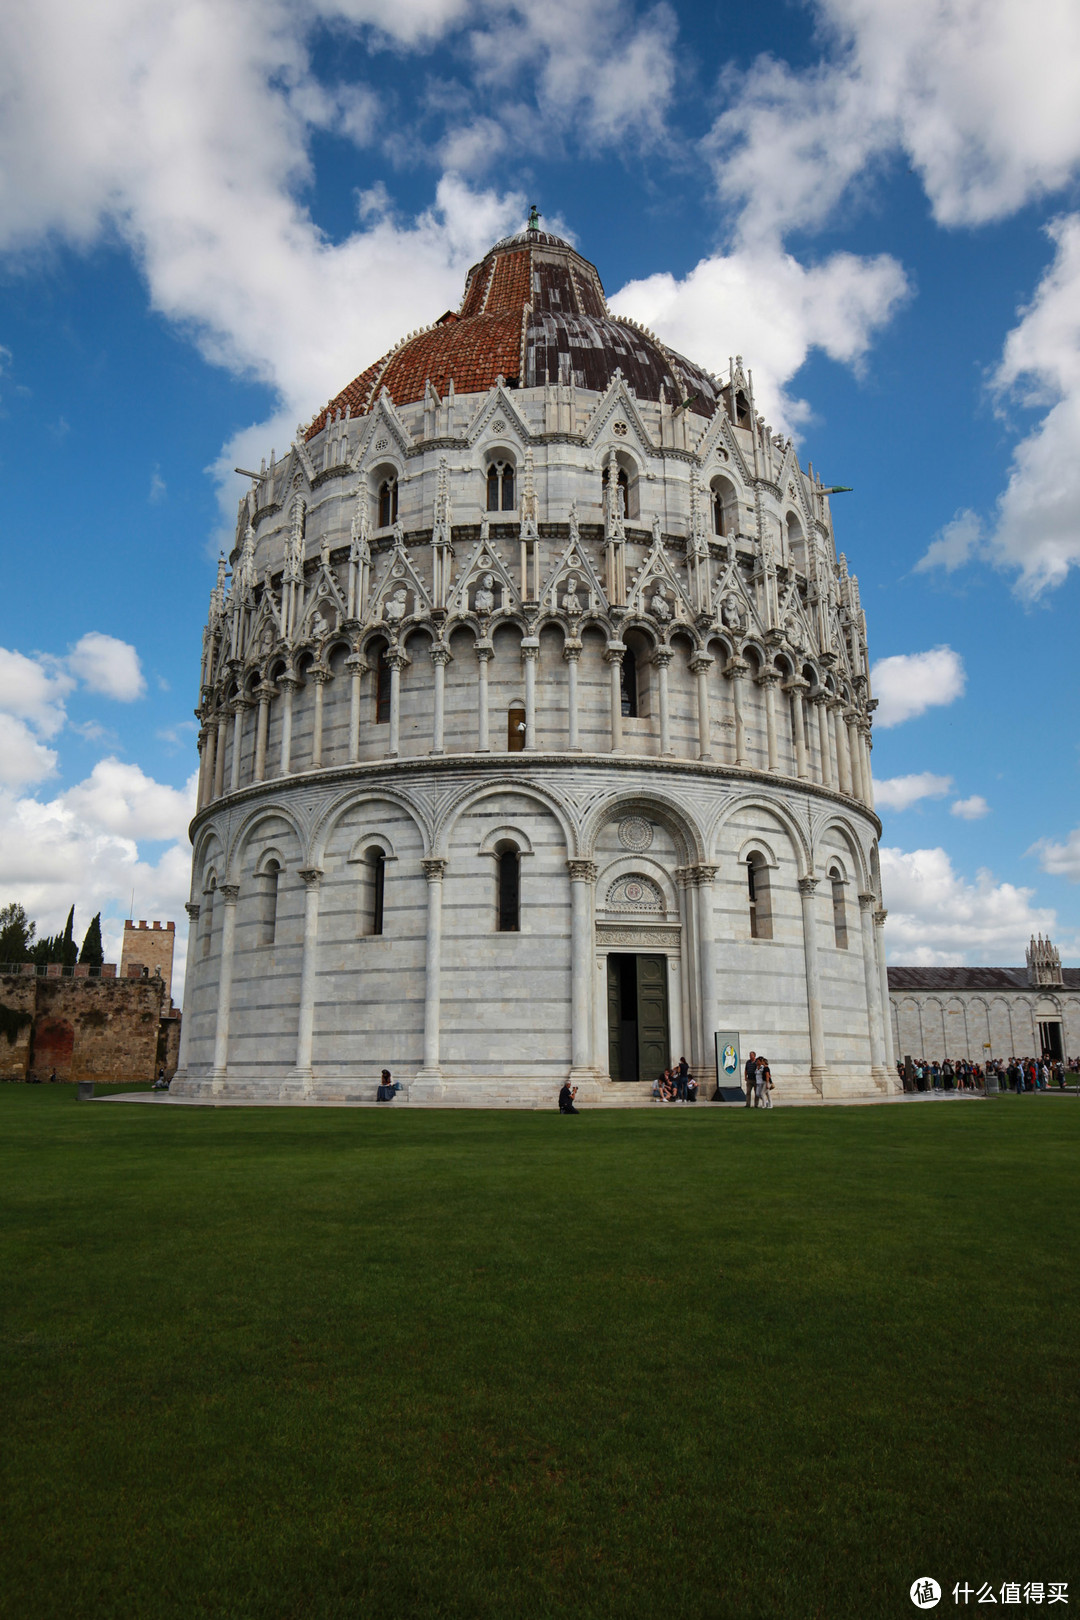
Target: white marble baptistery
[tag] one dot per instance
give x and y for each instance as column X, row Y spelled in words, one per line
column 536, row 730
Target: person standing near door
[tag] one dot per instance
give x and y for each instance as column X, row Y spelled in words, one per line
column 748, row 1074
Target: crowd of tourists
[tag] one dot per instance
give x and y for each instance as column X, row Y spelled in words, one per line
column 676, row 1085
column 957, row 1074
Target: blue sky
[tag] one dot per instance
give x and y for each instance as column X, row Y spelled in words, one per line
column 213, row 216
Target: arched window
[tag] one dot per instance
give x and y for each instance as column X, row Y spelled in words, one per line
column 500, row 487
column 376, row 862
column 796, row 543
column 387, row 502
column 515, row 728
column 208, row 916
column 624, row 490
column 629, row 685
column 725, row 506
column 382, row 687
column 757, row 884
column 509, row 887
column 268, row 902
column 839, row 910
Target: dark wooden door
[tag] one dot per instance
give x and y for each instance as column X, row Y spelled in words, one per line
column 637, row 1016
column 652, row 1010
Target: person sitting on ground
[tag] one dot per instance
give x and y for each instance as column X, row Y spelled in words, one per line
column 657, row 1087
column 387, row 1088
column 691, row 1089
column 566, row 1098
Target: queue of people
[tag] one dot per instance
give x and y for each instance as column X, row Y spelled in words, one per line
column 957, row 1074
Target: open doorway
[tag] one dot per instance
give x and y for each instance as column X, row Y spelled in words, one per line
column 1050, row 1042
column 638, row 1033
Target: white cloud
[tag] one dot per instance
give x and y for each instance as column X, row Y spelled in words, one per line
column 1060, row 860
column 108, row 666
column 121, row 799
column 33, row 689
column 958, row 542
column 901, row 792
column 908, row 684
column 760, row 301
column 22, row 758
column 972, row 809
column 938, row 918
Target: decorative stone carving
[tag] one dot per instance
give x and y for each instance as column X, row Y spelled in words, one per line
column 635, row 833
column 396, row 606
column 484, row 600
column 634, row 892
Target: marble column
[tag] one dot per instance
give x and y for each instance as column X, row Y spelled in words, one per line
column 820, row 700
column 691, row 943
column 700, row 664
column 219, row 757
column 397, row 661
column 736, row 670
column 843, row 763
column 206, row 764
column 434, row 870
column 440, row 657
column 886, row 1011
column 704, row 877
column 264, row 692
column 305, row 1028
column 320, row 678
column 868, row 904
column 867, row 767
column 530, row 651
column 768, row 680
column 287, row 684
column 795, row 688
column 485, row 652
column 582, row 881
column 572, row 653
column 807, row 886
column 357, row 668
column 229, row 893
column 238, row 707
column 613, row 657
column 854, row 753
column 186, row 1024
column 662, row 658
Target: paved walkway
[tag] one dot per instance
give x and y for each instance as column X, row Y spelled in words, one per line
column 164, row 1099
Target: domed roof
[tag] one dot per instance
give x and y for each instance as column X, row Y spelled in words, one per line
column 533, row 312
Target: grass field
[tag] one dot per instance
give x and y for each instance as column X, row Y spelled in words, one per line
column 673, row 1363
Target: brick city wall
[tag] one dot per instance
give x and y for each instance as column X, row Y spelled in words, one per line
column 85, row 1028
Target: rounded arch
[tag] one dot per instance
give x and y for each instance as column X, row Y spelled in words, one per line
column 632, row 863
column 680, row 823
column 249, row 826
column 507, row 832
column 325, row 826
column 860, row 869
column 500, row 473
column 725, row 505
column 756, row 845
column 364, row 842
column 475, row 792
column 383, row 482
column 269, row 859
column 757, row 801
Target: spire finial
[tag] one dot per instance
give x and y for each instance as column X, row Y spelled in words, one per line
column 534, row 217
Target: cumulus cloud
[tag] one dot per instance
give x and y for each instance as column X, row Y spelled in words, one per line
column 121, row 798
column 901, row 792
column 22, row 758
column 959, row 541
column 108, row 666
column 972, row 809
column 908, row 684
column 1060, row 860
column 34, row 689
column 759, row 300
column 937, row 918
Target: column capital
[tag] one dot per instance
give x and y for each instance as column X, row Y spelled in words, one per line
column 702, row 661
column 266, row 691
column 582, row 871
column 434, row 867
column 702, row 875
column 204, row 732
column 530, row 646
column 484, row 651
column 869, row 902
column 736, row 668
column 613, row 652
column 768, row 677
column 286, row 681
column 820, row 695
column 321, row 676
column 440, row 654
column 356, row 664
column 836, row 704
column 192, row 908
column 229, row 892
column 880, row 916
column 798, row 685
column 239, row 704
column 396, row 658
column 662, row 657
column 807, row 885
column 312, row 876
column 571, row 650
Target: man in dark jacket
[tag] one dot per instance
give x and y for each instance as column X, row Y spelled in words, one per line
column 749, row 1070
column 566, row 1098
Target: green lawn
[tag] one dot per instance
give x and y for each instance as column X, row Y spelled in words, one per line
column 687, row 1362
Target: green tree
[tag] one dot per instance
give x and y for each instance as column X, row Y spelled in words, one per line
column 92, row 949
column 69, row 951
column 16, row 934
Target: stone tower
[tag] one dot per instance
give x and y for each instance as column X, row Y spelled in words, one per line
column 535, row 730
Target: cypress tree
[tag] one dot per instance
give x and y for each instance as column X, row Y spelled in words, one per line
column 69, row 951
column 92, row 949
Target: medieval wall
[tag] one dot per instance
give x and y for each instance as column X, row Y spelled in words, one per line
column 85, row 1028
